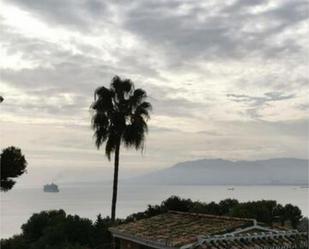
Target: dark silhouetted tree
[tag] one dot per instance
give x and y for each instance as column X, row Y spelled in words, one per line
column 177, row 204
column 1, row 99
column 13, row 164
column 279, row 214
column 293, row 214
column 227, row 205
column 120, row 113
column 56, row 230
column 101, row 235
column 260, row 210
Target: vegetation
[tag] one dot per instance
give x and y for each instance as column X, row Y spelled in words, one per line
column 266, row 211
column 56, row 229
column 303, row 225
column 119, row 116
column 13, row 164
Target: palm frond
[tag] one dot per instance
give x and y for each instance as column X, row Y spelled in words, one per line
column 111, row 144
column 100, row 136
column 138, row 96
column 119, row 115
column 122, row 88
column 102, row 99
column 100, row 120
column 143, row 109
column 134, row 134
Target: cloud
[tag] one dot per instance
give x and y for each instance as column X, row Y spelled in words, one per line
column 62, row 81
column 258, row 101
column 210, row 31
column 255, row 104
column 79, row 15
column 303, row 107
column 218, row 73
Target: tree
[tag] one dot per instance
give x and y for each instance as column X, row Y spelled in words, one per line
column 227, row 205
column 260, row 210
column 13, row 164
column 119, row 116
column 56, row 230
column 303, row 225
column 279, row 214
column 293, row 214
column 102, row 238
column 177, row 204
column 35, row 227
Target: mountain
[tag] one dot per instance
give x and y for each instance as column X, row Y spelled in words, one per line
column 279, row 171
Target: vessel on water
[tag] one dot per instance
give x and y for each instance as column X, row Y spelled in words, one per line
column 52, row 188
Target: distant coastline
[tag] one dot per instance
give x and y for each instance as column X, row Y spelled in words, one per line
column 272, row 172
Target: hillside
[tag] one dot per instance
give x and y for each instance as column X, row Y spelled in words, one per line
column 280, row 171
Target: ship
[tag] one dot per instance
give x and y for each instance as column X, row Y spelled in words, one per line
column 53, row 188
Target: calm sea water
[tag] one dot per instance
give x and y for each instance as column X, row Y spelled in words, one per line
column 90, row 200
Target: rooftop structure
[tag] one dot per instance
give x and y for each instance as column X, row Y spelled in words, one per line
column 200, row 231
column 262, row 240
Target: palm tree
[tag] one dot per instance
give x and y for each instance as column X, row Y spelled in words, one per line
column 119, row 117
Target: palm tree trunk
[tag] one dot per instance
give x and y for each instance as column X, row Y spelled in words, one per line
column 115, row 184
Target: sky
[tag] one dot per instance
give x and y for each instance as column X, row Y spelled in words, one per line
column 227, row 79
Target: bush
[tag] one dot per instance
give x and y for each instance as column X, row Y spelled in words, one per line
column 56, row 230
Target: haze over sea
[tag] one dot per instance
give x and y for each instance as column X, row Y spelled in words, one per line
column 88, row 200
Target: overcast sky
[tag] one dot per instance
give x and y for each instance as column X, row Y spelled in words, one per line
column 227, row 79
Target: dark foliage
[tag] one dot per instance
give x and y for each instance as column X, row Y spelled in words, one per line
column 102, row 237
column 120, row 113
column 269, row 212
column 303, row 225
column 259, row 210
column 292, row 214
column 13, row 164
column 57, row 230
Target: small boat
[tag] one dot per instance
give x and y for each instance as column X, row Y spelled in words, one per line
column 230, row 189
column 304, row 186
column 51, row 188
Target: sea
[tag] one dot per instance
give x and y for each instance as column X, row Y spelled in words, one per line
column 89, row 200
